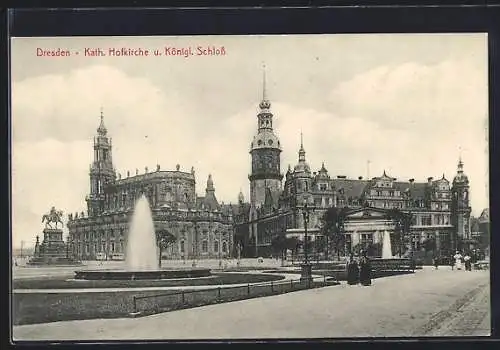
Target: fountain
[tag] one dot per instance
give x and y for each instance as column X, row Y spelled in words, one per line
column 389, row 264
column 387, row 246
column 142, row 254
column 142, row 251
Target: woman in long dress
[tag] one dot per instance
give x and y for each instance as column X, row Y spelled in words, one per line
column 365, row 270
column 352, row 269
column 458, row 260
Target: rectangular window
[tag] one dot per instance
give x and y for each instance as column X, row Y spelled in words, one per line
column 204, row 246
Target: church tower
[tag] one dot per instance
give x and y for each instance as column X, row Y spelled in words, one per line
column 460, row 207
column 265, row 150
column 101, row 170
column 265, row 176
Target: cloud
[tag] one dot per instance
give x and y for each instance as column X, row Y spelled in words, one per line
column 413, row 95
column 408, row 119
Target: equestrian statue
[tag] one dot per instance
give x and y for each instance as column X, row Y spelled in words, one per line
column 54, row 216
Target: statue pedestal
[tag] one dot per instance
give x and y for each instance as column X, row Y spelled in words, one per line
column 53, row 250
column 53, row 235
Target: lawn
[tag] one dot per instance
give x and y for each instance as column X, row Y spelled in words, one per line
column 216, row 279
column 31, row 308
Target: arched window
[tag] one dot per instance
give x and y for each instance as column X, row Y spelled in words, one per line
column 182, row 246
column 204, row 246
column 216, row 246
column 224, row 247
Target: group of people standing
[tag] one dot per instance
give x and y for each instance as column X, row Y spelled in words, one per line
column 457, row 261
column 460, row 261
column 359, row 271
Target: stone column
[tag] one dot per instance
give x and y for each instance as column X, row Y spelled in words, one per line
column 355, row 238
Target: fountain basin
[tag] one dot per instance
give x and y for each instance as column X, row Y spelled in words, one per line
column 141, row 275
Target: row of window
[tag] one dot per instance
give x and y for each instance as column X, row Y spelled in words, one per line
column 118, row 248
column 385, row 193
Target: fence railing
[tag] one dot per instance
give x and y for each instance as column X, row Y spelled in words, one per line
column 182, row 299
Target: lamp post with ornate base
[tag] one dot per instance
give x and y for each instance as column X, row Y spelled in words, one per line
column 306, row 267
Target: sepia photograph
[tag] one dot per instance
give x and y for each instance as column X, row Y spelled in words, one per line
column 249, row 187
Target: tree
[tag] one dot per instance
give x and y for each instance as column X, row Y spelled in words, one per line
column 332, row 229
column 429, row 244
column 164, row 239
column 402, row 224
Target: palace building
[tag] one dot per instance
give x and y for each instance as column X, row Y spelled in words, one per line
column 202, row 226
column 440, row 209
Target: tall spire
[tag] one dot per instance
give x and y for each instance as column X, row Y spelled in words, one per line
column 460, row 162
column 460, row 168
column 264, row 90
column 264, row 104
column 102, row 129
column 302, row 152
column 210, row 184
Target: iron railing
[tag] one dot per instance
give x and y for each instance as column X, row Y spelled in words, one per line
column 147, row 304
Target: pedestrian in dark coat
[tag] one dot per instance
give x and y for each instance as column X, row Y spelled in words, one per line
column 468, row 262
column 365, row 270
column 435, row 261
column 352, row 270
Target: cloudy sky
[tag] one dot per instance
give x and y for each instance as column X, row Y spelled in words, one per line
column 407, row 103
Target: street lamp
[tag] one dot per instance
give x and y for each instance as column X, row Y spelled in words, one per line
column 195, row 224
column 220, row 247
column 306, row 272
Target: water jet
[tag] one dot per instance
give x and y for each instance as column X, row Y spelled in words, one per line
column 141, row 253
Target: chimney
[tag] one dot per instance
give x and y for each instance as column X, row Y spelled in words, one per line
column 429, row 179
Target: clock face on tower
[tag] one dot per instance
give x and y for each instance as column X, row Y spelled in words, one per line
column 265, row 161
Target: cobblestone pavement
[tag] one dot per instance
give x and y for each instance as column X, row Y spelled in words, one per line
column 427, row 303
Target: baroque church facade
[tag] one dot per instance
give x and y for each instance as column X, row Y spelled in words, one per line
column 439, row 208
column 203, row 227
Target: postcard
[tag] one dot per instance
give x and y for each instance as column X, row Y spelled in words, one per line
column 250, row 187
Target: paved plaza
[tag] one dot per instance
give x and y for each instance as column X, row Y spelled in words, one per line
column 428, row 303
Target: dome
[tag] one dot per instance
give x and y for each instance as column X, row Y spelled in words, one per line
column 265, row 139
column 460, row 177
column 265, row 104
column 302, row 167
